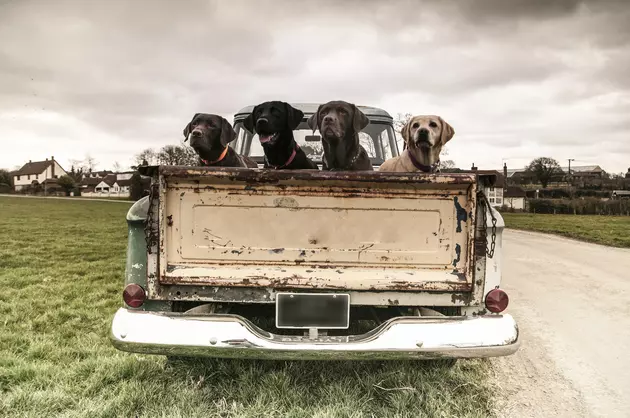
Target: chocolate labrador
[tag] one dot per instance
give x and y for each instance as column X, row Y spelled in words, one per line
column 339, row 124
column 424, row 138
column 274, row 123
column 209, row 136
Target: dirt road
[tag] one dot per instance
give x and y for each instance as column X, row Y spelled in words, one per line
column 572, row 303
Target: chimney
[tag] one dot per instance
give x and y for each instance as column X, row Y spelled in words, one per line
column 52, row 158
column 30, row 161
column 46, row 158
column 505, row 177
column 473, row 168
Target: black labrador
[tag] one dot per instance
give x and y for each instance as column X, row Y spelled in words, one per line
column 339, row 124
column 209, row 136
column 274, row 123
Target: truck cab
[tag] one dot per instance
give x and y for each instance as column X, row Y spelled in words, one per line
column 378, row 138
column 307, row 264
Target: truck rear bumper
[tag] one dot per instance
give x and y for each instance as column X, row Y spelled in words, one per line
column 236, row 337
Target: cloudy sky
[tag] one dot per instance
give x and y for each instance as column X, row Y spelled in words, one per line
column 517, row 79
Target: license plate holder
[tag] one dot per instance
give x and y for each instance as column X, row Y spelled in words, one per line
column 313, row 310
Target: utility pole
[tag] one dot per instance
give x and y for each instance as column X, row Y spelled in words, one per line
column 570, row 178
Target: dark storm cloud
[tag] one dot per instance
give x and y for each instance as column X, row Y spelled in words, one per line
column 503, row 70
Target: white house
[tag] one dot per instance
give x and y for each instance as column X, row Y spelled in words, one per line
column 111, row 185
column 37, row 173
column 514, row 197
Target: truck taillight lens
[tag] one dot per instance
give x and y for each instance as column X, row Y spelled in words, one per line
column 497, row 300
column 134, row 295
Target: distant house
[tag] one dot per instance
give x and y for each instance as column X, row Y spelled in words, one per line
column 514, row 198
column 585, row 171
column 108, row 185
column 494, row 193
column 620, row 194
column 36, row 173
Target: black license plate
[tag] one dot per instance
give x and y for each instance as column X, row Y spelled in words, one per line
column 313, row 310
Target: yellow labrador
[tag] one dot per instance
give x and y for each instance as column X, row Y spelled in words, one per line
column 424, row 138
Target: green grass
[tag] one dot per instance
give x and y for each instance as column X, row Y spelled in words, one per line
column 607, row 230
column 61, row 269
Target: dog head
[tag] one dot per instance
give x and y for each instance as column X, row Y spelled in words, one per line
column 208, row 132
column 337, row 120
column 425, row 136
column 270, row 119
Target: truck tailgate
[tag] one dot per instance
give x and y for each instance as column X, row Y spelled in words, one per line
column 311, row 229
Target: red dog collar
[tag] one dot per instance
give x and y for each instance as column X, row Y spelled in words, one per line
column 221, row 157
column 289, row 161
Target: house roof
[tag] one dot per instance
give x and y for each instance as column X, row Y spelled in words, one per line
column 35, row 167
column 514, row 191
column 124, row 182
column 90, row 181
column 109, row 179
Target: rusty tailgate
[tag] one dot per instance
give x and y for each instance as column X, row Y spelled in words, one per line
column 311, row 229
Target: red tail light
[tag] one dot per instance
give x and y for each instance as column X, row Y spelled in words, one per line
column 497, row 300
column 134, row 295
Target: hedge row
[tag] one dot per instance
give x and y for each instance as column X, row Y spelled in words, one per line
column 566, row 194
column 580, row 206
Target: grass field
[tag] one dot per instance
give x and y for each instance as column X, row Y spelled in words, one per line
column 61, row 269
column 607, row 230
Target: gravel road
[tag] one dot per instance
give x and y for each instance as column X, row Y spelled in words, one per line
column 572, row 302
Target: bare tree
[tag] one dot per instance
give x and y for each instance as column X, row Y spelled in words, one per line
column 117, row 167
column 544, row 170
column 177, row 155
column 149, row 155
column 90, row 162
column 87, row 164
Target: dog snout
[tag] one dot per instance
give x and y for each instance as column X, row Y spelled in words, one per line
column 328, row 119
column 196, row 133
column 262, row 122
column 423, row 132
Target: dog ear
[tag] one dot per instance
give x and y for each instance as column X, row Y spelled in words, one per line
column 227, row 132
column 359, row 121
column 249, row 122
column 313, row 121
column 406, row 133
column 294, row 116
column 187, row 128
column 447, row 131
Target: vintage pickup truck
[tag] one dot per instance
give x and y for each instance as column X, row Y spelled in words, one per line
column 314, row 265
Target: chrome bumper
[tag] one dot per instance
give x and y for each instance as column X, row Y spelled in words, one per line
column 234, row 336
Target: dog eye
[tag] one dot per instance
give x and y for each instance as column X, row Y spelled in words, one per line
column 433, row 124
column 415, row 125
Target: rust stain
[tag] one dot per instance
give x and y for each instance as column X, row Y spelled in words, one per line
column 458, row 253
column 461, row 214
